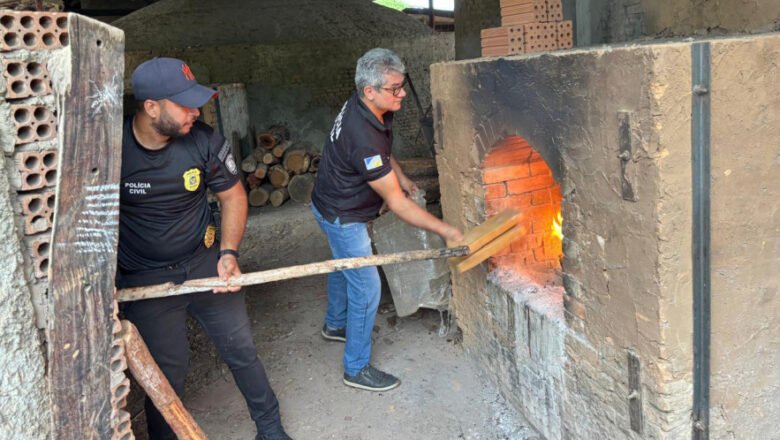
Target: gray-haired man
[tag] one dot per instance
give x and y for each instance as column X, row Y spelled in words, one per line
column 356, row 176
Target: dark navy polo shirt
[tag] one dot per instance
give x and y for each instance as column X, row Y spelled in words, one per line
column 164, row 211
column 356, row 152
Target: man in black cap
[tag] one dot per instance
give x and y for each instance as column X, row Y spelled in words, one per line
column 167, row 234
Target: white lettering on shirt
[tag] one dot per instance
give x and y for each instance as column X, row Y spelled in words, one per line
column 137, row 187
column 336, row 131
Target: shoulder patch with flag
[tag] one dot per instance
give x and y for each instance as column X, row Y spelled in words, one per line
column 373, row 162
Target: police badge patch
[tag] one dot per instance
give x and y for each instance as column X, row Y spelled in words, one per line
column 211, row 233
column 192, row 179
column 230, row 163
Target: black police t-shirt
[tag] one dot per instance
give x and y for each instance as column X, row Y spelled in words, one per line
column 356, row 152
column 164, row 211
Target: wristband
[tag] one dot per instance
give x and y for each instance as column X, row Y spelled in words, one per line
column 232, row 252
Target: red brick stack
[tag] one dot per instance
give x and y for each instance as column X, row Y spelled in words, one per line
column 528, row 26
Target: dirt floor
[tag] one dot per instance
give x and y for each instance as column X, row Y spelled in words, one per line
column 441, row 395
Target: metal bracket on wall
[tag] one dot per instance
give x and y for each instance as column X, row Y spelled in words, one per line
column 635, row 393
column 700, row 163
column 626, row 142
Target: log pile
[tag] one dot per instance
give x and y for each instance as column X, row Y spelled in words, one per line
column 280, row 169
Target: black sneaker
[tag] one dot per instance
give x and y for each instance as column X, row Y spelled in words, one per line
column 339, row 334
column 371, row 379
column 276, row 433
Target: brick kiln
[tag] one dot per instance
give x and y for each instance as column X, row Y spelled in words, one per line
column 604, row 332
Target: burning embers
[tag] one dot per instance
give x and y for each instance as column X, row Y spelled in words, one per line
column 516, row 176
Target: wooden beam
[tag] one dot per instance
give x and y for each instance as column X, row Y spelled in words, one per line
column 84, row 241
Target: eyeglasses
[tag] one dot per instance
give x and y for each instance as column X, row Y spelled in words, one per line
column 395, row 90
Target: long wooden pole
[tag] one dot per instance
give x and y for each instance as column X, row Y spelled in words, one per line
column 285, row 273
column 157, row 387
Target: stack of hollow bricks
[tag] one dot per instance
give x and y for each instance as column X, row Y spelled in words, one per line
column 514, row 175
column 27, row 41
column 528, row 26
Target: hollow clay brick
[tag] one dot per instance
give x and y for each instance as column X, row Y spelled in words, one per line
column 32, row 30
column 493, row 32
column 511, row 20
column 25, row 78
column 40, row 256
column 36, row 168
column 33, row 123
column 38, row 211
column 518, row 9
column 495, row 51
column 120, row 390
column 540, row 10
column 516, row 40
column 565, row 34
column 510, row 3
column 554, row 11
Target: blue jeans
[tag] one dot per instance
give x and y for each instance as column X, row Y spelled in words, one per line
column 353, row 295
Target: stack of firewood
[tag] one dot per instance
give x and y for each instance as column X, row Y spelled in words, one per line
column 280, row 169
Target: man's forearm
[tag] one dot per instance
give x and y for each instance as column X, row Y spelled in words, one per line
column 416, row 216
column 234, row 212
column 406, row 183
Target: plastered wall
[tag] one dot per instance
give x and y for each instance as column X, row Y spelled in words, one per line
column 31, row 54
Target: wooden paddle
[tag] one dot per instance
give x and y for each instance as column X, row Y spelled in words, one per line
column 479, row 244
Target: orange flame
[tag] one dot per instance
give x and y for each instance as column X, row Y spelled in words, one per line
column 557, row 230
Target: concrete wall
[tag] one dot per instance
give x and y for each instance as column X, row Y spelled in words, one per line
column 745, row 238
column 302, row 72
column 471, row 16
column 25, row 402
column 627, row 263
column 701, row 17
column 615, row 21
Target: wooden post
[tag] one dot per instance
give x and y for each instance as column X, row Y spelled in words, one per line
column 84, row 240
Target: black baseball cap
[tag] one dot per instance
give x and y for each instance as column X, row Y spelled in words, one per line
column 169, row 78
